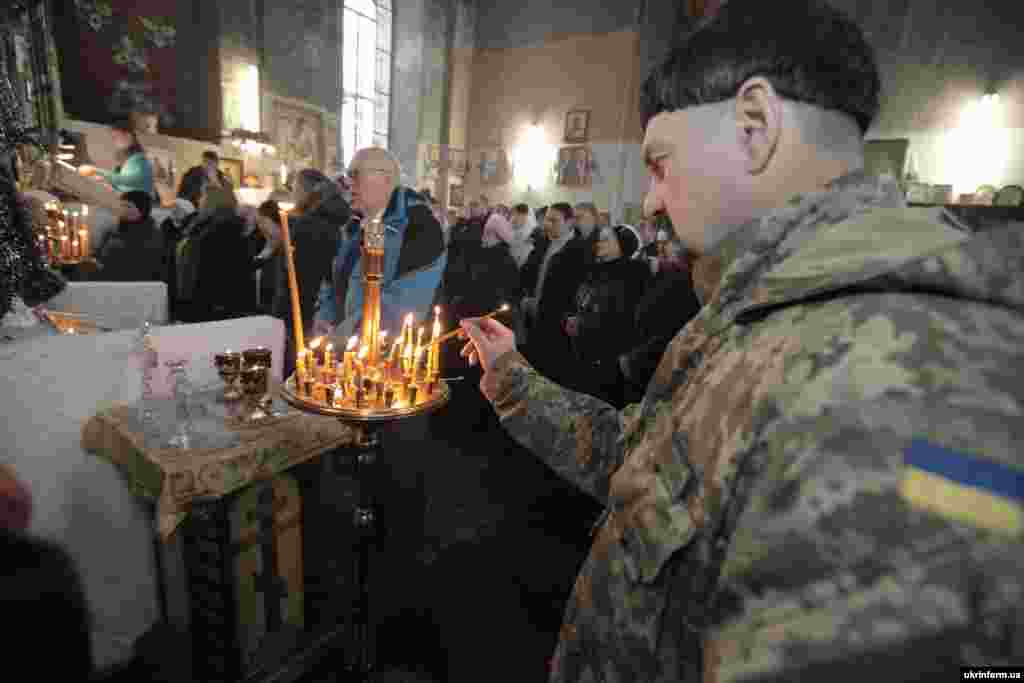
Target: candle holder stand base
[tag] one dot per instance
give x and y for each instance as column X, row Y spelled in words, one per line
column 368, row 423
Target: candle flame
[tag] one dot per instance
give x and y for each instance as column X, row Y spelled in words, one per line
column 315, row 344
column 85, row 210
column 330, row 347
column 82, row 232
column 352, row 341
column 408, row 319
column 504, row 307
column 383, row 334
column 437, row 310
column 362, row 353
column 285, row 206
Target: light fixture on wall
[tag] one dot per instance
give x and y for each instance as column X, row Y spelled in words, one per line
column 977, row 150
column 534, row 158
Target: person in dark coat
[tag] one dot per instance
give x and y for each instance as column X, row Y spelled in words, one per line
column 315, row 228
column 479, row 277
column 215, row 277
column 134, row 250
column 268, row 256
column 602, row 326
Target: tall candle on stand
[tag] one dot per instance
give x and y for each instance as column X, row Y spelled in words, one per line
column 349, row 358
column 83, row 232
column 433, row 355
column 293, row 284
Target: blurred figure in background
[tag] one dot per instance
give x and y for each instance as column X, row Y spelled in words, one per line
column 602, row 326
column 315, row 228
column 135, row 250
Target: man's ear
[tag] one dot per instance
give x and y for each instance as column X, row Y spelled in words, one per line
column 758, row 113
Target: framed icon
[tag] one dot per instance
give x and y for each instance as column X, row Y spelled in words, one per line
column 577, row 126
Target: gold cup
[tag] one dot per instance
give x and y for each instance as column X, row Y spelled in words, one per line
column 255, row 381
column 229, row 368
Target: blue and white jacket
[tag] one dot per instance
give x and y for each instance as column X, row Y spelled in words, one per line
column 414, row 260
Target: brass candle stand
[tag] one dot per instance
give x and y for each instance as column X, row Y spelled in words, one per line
column 368, row 389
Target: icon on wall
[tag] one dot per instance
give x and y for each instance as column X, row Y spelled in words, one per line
column 577, row 126
column 574, row 166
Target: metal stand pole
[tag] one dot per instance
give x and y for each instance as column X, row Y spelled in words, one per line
column 363, row 660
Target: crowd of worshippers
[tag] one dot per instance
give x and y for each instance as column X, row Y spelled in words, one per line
column 594, row 304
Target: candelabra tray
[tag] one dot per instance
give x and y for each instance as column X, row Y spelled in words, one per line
column 440, row 397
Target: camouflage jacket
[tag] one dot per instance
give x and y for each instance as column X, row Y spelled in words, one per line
column 827, row 468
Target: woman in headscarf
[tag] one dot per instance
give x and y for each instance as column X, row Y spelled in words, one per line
column 25, row 281
column 602, row 327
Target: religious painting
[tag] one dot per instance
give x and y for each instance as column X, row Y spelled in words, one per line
column 577, row 126
column 457, row 162
column 574, row 166
column 233, row 169
column 456, row 197
column 494, row 166
column 298, row 134
column 125, row 60
column 431, row 160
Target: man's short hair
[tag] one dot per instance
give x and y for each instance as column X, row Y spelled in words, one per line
column 564, row 209
column 808, row 50
column 210, row 155
column 521, row 208
column 587, row 206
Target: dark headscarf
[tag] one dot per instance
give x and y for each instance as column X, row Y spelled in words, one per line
column 22, row 272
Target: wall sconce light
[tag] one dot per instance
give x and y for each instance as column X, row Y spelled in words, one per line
column 977, row 150
column 534, row 158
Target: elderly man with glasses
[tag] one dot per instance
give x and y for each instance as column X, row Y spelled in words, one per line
column 414, row 256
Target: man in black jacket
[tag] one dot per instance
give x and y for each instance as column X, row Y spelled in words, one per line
column 135, row 250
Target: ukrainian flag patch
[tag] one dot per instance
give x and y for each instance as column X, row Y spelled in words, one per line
column 961, row 486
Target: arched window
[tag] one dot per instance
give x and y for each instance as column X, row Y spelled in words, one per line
column 366, row 67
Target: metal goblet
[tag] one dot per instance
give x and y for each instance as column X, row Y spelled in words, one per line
column 229, row 367
column 255, row 380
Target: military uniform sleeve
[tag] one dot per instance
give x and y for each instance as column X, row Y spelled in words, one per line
column 882, row 532
column 574, row 434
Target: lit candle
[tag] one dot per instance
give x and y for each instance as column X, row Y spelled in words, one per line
column 407, row 330
column 83, row 242
column 64, row 248
column 313, row 346
column 419, row 359
column 419, row 345
column 300, row 361
column 85, row 210
column 383, row 337
column 339, row 397
column 433, row 356
column 349, row 357
column 329, row 356
column 293, row 283
column 74, row 249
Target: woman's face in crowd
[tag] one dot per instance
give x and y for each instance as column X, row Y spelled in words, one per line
column 122, row 139
column 607, row 246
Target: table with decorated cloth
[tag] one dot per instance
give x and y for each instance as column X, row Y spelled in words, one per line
column 251, row 540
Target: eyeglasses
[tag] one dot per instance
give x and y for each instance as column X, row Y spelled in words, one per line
column 355, row 173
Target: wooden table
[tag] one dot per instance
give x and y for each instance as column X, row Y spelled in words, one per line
column 252, row 551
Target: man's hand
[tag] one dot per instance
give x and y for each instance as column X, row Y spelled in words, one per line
column 488, row 341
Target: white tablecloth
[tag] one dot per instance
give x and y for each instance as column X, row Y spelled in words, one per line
column 49, row 386
column 117, row 305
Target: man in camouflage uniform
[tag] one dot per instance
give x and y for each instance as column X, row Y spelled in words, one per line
column 824, row 480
